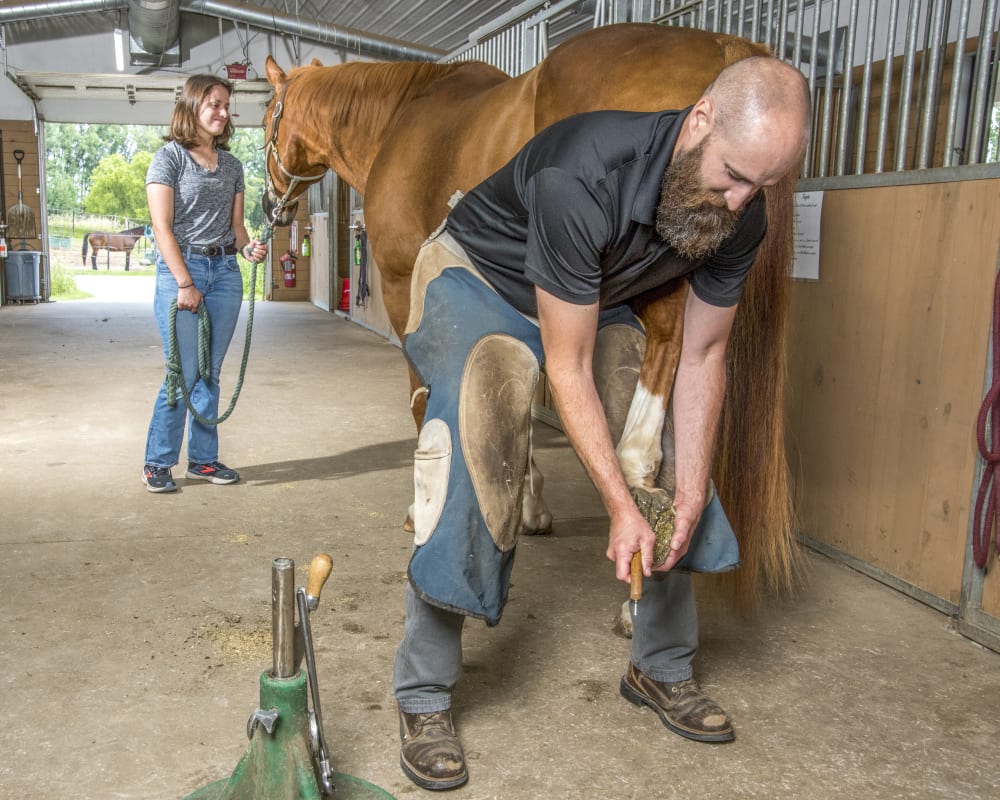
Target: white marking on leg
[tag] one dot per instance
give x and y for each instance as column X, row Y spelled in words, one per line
column 639, row 451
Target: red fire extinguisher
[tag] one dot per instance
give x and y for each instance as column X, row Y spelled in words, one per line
column 288, row 268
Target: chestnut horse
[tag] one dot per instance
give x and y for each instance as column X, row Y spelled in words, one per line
column 407, row 135
column 121, row 242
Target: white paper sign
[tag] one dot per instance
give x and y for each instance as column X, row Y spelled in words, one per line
column 808, row 214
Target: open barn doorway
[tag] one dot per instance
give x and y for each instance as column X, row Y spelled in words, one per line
column 100, row 241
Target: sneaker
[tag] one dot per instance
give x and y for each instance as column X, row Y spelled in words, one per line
column 158, row 479
column 213, row 472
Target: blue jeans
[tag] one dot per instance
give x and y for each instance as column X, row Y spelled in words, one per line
column 221, row 284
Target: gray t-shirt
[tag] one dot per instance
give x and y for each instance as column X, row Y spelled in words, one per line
column 203, row 199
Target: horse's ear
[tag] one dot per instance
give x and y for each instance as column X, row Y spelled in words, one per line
column 275, row 74
column 317, row 63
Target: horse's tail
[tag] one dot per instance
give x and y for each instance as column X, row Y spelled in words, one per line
column 83, row 257
column 751, row 470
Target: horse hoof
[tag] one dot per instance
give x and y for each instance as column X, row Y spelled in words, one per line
column 541, row 528
column 658, row 509
column 622, row 623
column 408, row 524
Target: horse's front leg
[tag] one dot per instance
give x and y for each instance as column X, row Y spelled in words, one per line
column 640, row 451
column 637, row 403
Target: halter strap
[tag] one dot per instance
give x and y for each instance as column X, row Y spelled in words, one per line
column 271, row 151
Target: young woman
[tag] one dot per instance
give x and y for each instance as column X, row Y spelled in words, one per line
column 195, row 192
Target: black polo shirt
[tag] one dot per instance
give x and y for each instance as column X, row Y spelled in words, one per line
column 575, row 210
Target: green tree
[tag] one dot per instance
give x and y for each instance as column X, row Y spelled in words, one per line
column 78, row 178
column 118, row 186
column 73, row 152
column 247, row 145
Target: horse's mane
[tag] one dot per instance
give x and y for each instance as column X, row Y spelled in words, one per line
column 361, row 89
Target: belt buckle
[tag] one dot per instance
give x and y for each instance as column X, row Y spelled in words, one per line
column 211, row 251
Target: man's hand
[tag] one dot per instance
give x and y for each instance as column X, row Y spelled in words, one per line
column 629, row 534
column 686, row 517
column 568, row 333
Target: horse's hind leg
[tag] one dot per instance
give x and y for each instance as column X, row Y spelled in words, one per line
column 128, row 255
column 536, row 519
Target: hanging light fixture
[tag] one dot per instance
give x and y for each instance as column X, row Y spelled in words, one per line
column 119, row 49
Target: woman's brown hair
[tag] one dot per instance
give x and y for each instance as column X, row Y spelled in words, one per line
column 184, row 123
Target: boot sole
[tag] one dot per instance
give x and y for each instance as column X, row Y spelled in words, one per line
column 636, row 698
column 194, row 476
column 428, row 783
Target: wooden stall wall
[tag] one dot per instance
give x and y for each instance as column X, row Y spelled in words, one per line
column 280, row 244
column 887, row 360
column 20, row 135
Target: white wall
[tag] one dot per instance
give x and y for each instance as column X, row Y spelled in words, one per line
column 93, row 53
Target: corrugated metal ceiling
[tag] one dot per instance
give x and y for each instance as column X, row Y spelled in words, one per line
column 443, row 25
column 439, row 25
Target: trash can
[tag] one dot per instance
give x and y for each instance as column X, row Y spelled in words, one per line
column 21, row 276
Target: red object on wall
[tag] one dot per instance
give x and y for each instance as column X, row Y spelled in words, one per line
column 288, row 268
column 345, row 296
column 236, row 71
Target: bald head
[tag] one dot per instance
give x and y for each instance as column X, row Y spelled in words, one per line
column 760, row 97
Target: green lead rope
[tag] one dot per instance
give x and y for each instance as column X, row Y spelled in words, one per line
column 175, row 377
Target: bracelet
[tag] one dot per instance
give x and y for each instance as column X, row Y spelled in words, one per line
column 186, row 285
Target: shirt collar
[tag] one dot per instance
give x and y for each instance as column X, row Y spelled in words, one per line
column 658, row 157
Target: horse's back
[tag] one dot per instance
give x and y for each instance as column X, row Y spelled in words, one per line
column 633, row 67
column 461, row 129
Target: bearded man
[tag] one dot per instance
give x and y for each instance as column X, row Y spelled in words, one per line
column 533, row 267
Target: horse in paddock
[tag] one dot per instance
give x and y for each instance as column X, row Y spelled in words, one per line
column 121, row 242
column 407, row 135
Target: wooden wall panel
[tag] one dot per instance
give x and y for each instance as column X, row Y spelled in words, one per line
column 20, row 135
column 279, row 245
column 886, row 366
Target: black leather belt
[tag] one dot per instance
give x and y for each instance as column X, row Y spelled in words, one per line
column 211, row 250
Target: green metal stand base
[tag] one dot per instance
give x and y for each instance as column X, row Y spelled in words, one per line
column 279, row 765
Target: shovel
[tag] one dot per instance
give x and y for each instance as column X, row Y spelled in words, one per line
column 20, row 218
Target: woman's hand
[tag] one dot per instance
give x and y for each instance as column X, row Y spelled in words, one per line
column 254, row 251
column 188, row 297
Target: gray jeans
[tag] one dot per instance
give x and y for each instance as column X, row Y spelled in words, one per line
column 429, row 659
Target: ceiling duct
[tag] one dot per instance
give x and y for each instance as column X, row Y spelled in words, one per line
column 154, row 32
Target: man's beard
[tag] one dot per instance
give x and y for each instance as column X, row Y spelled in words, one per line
column 689, row 218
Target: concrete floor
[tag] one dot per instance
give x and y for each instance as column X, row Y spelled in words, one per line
column 135, row 626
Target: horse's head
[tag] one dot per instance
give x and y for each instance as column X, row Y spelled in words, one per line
column 288, row 168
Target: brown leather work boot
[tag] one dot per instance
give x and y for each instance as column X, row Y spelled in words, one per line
column 682, row 706
column 431, row 755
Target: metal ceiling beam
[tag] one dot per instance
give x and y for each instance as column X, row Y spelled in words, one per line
column 22, row 12
column 348, row 39
column 343, row 38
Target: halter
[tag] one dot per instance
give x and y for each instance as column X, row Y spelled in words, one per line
column 271, row 151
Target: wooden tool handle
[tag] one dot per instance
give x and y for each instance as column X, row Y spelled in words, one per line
column 319, row 571
column 636, row 576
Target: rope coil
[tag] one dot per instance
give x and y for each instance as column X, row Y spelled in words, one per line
column 175, row 377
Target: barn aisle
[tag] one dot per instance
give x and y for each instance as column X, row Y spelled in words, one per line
column 135, row 626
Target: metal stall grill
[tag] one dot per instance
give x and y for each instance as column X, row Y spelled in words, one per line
column 897, row 85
